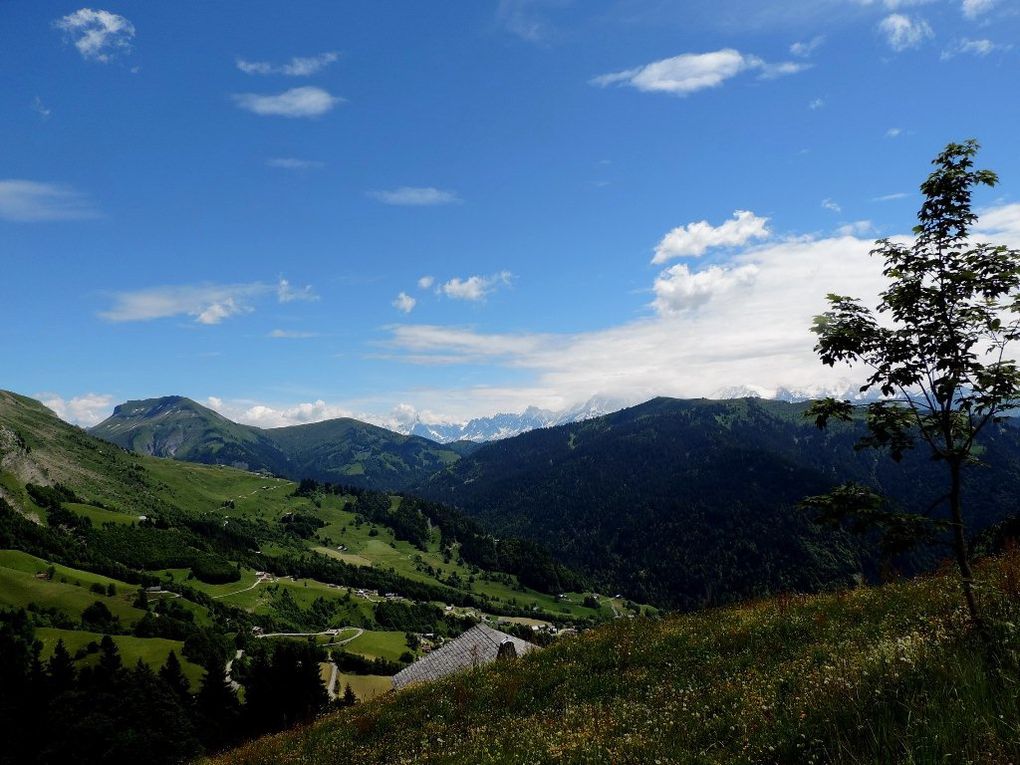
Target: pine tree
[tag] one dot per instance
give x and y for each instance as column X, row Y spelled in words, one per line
column 349, row 699
column 173, row 676
column 61, row 670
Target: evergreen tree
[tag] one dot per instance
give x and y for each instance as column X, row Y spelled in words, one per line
column 109, row 661
column 217, row 710
column 349, row 699
column 61, row 669
column 173, row 676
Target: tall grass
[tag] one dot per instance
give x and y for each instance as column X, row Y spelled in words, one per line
column 884, row 675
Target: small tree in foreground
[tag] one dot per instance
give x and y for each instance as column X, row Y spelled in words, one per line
column 938, row 347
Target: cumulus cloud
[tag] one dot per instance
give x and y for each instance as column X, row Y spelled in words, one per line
column 695, row 239
column 24, row 201
column 974, row 8
column 306, row 101
column 86, row 410
column 404, row 302
column 1000, row 223
column 205, row 303
column 903, row 32
column 415, row 196
column 288, row 293
column 691, row 72
column 98, row 35
column 677, row 289
column 475, row 288
column 299, row 66
column 292, row 163
column 426, row 282
column 265, row 416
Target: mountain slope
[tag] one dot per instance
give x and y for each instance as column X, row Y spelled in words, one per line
column 344, row 450
column 175, row 426
column 861, row 676
column 692, row 503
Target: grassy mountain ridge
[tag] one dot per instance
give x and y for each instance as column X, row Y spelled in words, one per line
column 341, row 450
column 694, row 502
column 890, row 675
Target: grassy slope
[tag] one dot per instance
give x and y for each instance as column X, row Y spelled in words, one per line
column 869, row 675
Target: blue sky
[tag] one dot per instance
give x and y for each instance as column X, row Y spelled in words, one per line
column 300, row 210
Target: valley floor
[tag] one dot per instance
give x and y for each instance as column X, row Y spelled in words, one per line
column 883, row 675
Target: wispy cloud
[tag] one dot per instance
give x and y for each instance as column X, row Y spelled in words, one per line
column 293, row 163
column 904, row 32
column 816, row 104
column 299, row 66
column 404, row 302
column 24, row 201
column 894, row 132
column 528, row 19
column 831, row 206
column 291, row 334
column 415, row 196
column 806, row 48
column 307, row 101
column 288, row 293
column 41, row 109
column 891, row 197
column 690, row 72
column 475, row 288
column 98, row 35
column 695, row 239
column 980, row 47
column 205, row 303
column 973, row 8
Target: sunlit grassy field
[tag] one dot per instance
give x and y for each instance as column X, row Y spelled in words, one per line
column 884, row 675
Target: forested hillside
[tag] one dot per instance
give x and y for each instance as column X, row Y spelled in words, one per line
column 693, row 503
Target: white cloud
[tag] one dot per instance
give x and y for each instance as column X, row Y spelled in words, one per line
column 41, row 109
column 677, row 289
column 404, row 302
column 33, row 201
column 695, row 239
column 265, row 416
column 415, row 196
column 982, row 47
column 1000, row 223
column 750, row 325
column 891, row 197
column 904, row 32
column 527, row 18
column 288, row 293
column 816, row 104
column 98, row 35
column 856, row 228
column 291, row 334
column 691, row 72
column 306, row 101
column 831, row 206
column 299, row 66
column 475, row 288
column 426, row 282
column 206, row 303
column 804, row 49
column 86, row 410
column 292, row 163
column 974, row 8
column 894, row 132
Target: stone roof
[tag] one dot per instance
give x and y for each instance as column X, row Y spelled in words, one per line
column 478, row 646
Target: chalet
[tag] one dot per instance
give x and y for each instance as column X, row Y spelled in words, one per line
column 479, row 645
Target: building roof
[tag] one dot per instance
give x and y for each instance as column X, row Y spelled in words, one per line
column 479, row 645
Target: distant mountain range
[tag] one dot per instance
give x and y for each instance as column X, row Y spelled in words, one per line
column 340, row 451
column 507, row 425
